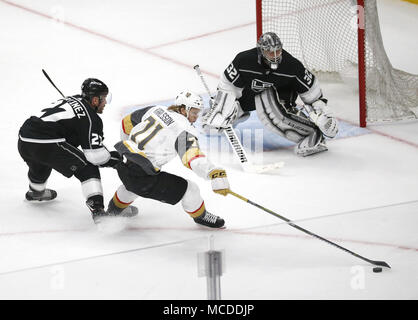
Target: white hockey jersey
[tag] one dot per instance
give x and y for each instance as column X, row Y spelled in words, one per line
column 156, row 136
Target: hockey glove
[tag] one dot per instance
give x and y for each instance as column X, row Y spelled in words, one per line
column 219, row 181
column 115, row 159
column 322, row 116
column 222, row 112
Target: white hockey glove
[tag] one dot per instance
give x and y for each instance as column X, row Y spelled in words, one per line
column 322, row 116
column 223, row 111
column 219, row 181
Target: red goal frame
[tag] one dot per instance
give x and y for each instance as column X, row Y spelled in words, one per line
column 361, row 54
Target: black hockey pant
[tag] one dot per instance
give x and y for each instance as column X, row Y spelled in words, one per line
column 62, row 157
column 163, row 186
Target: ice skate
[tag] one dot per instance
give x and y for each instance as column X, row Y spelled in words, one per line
column 97, row 210
column 207, row 219
column 114, row 211
column 45, row 195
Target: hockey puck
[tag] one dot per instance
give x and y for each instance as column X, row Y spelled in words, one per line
column 377, row 269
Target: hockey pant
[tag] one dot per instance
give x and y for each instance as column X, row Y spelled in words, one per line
column 163, row 186
column 68, row 160
column 294, row 127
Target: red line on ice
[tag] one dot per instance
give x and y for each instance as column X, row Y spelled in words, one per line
column 250, row 233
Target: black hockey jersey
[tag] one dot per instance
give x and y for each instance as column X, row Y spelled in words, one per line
column 71, row 120
column 290, row 79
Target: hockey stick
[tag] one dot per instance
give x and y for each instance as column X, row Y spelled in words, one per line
column 236, row 144
column 289, row 222
column 49, row 79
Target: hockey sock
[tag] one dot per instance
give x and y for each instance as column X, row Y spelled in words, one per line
column 198, row 212
column 122, row 199
column 192, row 202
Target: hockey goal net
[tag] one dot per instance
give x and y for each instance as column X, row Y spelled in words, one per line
column 333, row 38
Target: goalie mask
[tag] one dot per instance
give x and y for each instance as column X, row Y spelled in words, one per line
column 269, row 49
column 189, row 100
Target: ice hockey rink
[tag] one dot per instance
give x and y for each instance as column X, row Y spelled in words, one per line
column 362, row 194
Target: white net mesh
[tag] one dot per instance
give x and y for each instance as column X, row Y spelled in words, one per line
column 323, row 35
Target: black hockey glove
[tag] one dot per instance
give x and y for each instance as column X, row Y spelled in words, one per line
column 115, row 159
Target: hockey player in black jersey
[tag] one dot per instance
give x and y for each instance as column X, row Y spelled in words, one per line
column 268, row 79
column 51, row 140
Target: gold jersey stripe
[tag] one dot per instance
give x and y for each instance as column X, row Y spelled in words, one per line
column 132, row 150
column 190, row 154
column 127, row 124
column 138, row 152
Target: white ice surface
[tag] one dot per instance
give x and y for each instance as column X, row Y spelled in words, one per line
column 361, row 194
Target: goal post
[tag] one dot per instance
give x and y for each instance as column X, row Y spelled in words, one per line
column 337, row 39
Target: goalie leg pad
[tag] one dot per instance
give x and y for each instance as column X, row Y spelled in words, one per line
column 192, row 201
column 276, row 118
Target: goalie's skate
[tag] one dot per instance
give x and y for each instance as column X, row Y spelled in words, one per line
column 46, row 195
column 303, row 149
column 208, row 219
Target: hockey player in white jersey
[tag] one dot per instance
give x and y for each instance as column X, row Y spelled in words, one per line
column 152, row 137
column 268, row 79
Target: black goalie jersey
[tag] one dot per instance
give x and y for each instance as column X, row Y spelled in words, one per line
column 251, row 77
column 70, row 120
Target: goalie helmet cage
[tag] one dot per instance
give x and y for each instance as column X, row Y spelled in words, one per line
column 333, row 38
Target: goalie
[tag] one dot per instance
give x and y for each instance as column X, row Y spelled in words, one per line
column 268, row 79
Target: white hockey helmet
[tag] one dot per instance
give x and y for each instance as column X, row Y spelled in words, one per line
column 189, row 100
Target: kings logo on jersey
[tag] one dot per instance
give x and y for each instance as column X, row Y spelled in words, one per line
column 260, row 86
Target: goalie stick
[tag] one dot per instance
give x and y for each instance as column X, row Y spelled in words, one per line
column 290, row 223
column 236, row 145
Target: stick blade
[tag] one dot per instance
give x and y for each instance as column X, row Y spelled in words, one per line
column 381, row 263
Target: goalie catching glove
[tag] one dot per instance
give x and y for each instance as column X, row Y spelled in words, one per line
column 322, row 116
column 219, row 181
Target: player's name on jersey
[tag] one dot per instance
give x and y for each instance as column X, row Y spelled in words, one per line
column 78, row 109
column 164, row 116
